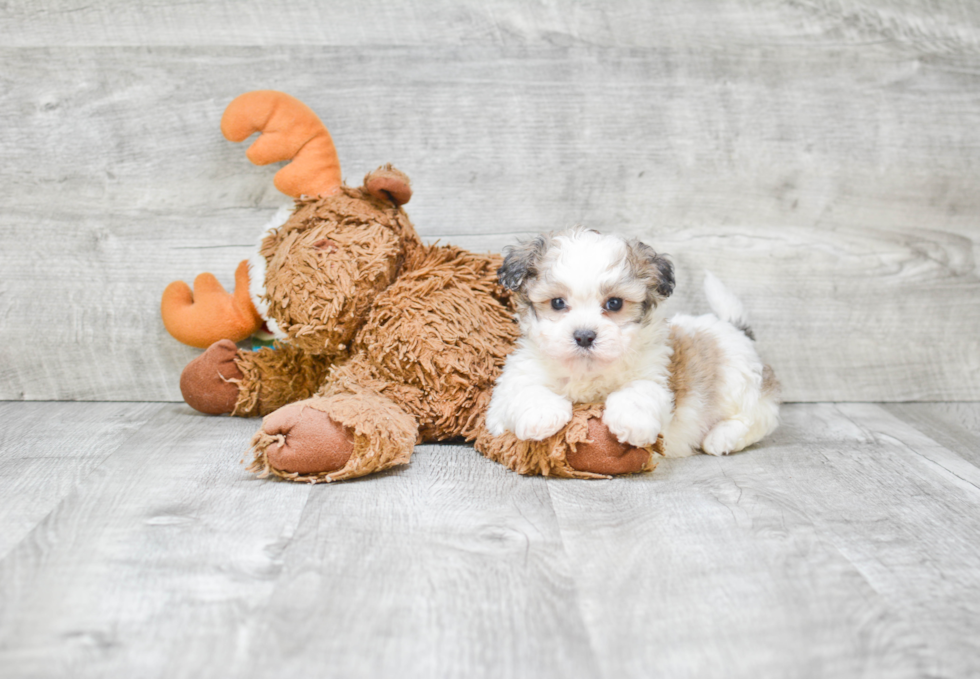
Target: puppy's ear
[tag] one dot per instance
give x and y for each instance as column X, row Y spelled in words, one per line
column 521, row 263
column 654, row 269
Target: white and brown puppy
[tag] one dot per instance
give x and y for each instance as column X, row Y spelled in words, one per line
column 592, row 330
column 590, row 308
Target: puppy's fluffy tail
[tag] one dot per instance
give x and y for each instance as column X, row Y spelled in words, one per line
column 725, row 304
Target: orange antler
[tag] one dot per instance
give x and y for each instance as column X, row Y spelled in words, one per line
column 290, row 131
column 209, row 313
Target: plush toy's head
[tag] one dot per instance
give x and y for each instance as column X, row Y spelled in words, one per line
column 316, row 275
column 324, row 267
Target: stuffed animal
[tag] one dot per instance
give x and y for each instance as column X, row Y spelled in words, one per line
column 381, row 341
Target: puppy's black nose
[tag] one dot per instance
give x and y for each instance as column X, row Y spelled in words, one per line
column 584, row 338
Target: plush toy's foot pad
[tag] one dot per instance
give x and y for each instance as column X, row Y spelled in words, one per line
column 307, row 440
column 207, row 382
column 603, row 454
column 333, row 437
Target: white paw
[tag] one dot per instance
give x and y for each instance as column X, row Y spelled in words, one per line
column 495, row 422
column 724, row 438
column 543, row 420
column 630, row 422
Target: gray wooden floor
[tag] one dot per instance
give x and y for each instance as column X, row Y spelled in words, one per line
column 134, row 544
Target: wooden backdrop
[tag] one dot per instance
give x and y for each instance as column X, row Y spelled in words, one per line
column 821, row 156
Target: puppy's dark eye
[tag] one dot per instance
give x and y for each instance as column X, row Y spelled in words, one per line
column 557, row 304
column 613, row 304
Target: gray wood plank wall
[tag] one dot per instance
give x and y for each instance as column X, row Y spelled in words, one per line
column 820, row 157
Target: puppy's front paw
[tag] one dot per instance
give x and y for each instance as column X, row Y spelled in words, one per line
column 543, row 419
column 495, row 422
column 630, row 422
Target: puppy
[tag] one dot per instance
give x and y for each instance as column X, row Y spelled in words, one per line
column 593, row 329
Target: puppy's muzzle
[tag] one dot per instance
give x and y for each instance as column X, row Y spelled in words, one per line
column 584, row 338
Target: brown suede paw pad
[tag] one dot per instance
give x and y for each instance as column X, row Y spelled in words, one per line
column 207, row 382
column 308, row 440
column 603, row 454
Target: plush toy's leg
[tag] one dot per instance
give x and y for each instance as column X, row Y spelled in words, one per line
column 272, row 378
column 210, row 382
column 584, row 449
column 601, row 453
column 336, row 437
column 248, row 383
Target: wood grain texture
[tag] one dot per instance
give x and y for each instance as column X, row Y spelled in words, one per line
column 942, row 25
column 831, row 291
column 451, row 567
column 820, row 157
column 954, row 425
column 146, row 566
column 48, row 449
column 725, row 555
column 82, row 319
column 844, row 545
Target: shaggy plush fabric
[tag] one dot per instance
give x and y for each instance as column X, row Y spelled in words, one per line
column 272, row 378
column 439, row 336
column 328, row 262
column 384, row 436
column 550, row 457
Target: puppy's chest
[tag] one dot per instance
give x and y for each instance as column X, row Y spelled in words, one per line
column 592, row 389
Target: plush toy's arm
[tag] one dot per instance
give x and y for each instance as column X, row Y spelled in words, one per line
column 209, row 313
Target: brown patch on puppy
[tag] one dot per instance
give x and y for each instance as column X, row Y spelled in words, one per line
column 654, row 270
column 695, row 373
column 770, row 385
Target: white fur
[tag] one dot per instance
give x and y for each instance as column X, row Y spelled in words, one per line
column 721, row 300
column 627, row 366
column 256, row 272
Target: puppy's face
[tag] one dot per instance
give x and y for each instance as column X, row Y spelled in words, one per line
column 585, row 297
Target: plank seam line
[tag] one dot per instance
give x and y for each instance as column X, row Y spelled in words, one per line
column 590, row 635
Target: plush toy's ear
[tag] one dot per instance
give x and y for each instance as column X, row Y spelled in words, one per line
column 290, row 131
column 521, row 263
column 388, row 183
column 654, row 269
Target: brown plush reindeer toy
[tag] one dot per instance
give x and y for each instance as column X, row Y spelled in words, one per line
column 382, row 341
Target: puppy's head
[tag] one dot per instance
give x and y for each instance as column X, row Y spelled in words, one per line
column 585, row 297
